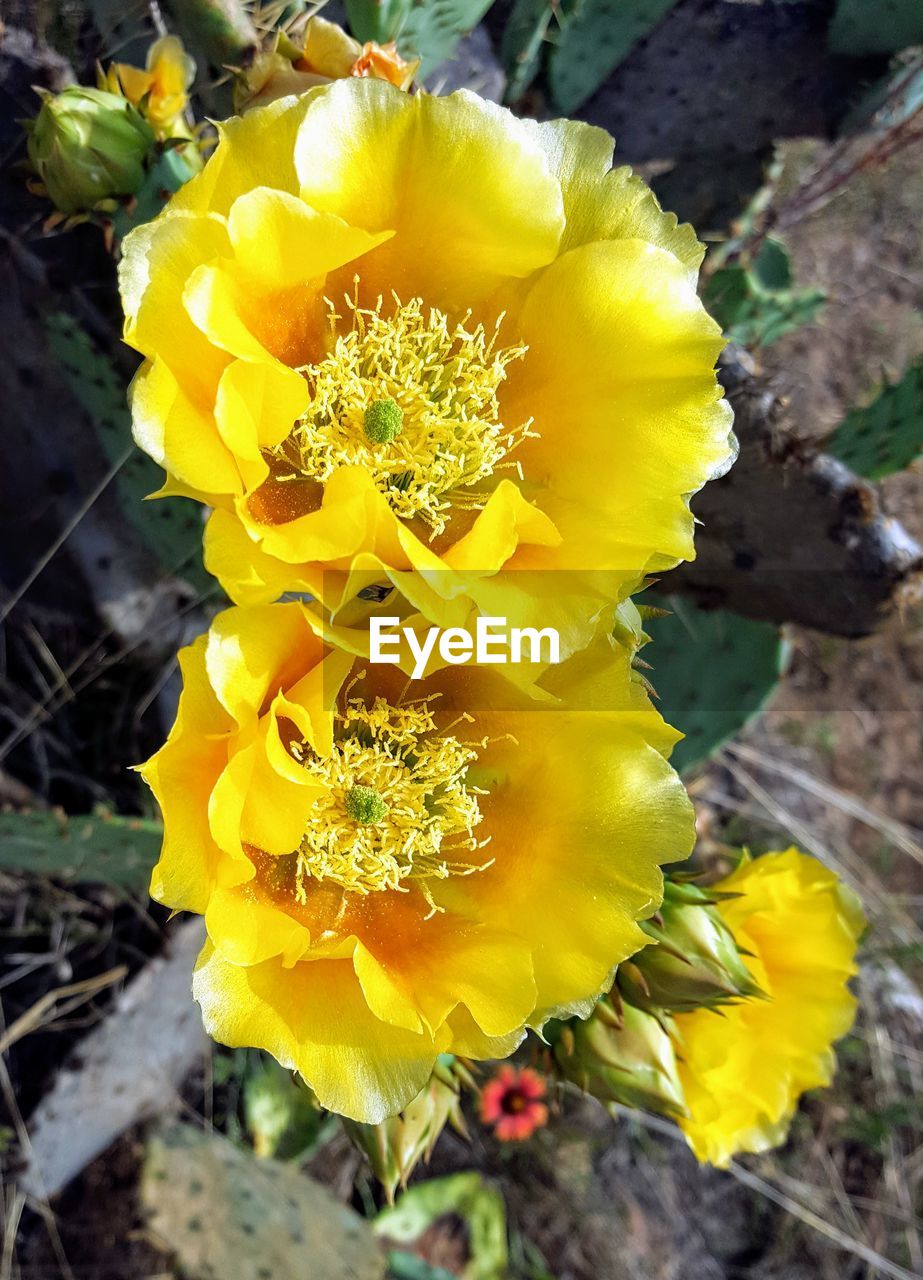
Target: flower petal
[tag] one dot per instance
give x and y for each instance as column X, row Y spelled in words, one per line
column 602, row 203
column 628, row 371
column 280, row 241
column 465, row 186
column 255, row 150
column 313, row 1019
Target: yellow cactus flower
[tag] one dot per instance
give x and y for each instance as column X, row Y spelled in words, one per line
column 390, row 870
column 161, row 90
column 321, row 52
column 744, row 1068
column 412, row 342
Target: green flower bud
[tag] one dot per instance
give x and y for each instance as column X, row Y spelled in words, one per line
column 620, row 1055
column 396, row 1146
column 694, row 961
column 281, row 1114
column 87, row 145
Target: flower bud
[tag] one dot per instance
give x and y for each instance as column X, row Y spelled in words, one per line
column 281, row 1114
column 620, row 1055
column 693, row 962
column 321, row 53
column 395, row 1147
column 87, row 145
column 160, row 90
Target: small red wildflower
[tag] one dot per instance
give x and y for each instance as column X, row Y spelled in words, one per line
column 511, row 1102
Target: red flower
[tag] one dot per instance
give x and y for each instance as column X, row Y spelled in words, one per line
column 511, row 1102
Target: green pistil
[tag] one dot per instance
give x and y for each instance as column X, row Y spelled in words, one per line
column 365, row 806
column 383, row 420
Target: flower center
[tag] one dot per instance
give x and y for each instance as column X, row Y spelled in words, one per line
column 412, row 397
column 395, row 803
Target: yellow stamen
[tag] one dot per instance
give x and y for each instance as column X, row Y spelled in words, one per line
column 411, row 396
column 394, row 804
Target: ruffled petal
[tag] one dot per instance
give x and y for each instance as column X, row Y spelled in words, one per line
column 602, row 203
column 280, row 241
column 247, row 930
column 179, row 435
column 628, row 372
column 182, row 775
column 252, row 654
column 255, row 150
column 313, row 1019
column 743, row 1072
column 463, row 183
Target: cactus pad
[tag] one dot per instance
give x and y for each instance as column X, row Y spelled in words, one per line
column 712, row 672
column 887, row 435
column 432, row 30
column 757, row 304
column 523, row 40
column 875, row 26
column 596, row 35
column 118, row 851
column 227, row 1214
column 172, row 530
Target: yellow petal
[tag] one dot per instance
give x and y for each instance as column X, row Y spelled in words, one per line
column 506, row 520
column 246, row 930
column 744, row 1072
column 251, row 654
column 626, row 369
column 255, row 408
column 432, row 966
column 255, row 150
column 583, row 806
column 157, row 260
column 182, row 775
column 280, row 795
column 464, row 185
column 280, row 241
column 178, row 435
column 313, row 1019
column 602, row 203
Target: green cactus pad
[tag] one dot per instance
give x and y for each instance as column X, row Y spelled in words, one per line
column 711, row 671
column 875, row 26
column 596, row 35
column 226, row 1213
column 100, row 846
column 523, row 40
column 172, row 529
column 758, row 304
column 432, row 30
column 378, row 20
column 887, row 435
column 467, row 1196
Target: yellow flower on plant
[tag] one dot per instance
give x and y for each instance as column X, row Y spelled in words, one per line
column 412, row 342
column 161, row 90
column 322, row 51
column 390, row 870
column 743, row 1068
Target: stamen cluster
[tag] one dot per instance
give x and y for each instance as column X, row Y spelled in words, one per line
column 439, row 380
column 394, row 802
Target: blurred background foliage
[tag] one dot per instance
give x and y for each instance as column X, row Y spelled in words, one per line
column 791, row 655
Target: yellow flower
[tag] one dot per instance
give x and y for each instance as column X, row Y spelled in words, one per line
column 323, row 52
column 414, row 341
column 161, row 90
column 744, row 1068
column 390, row 870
